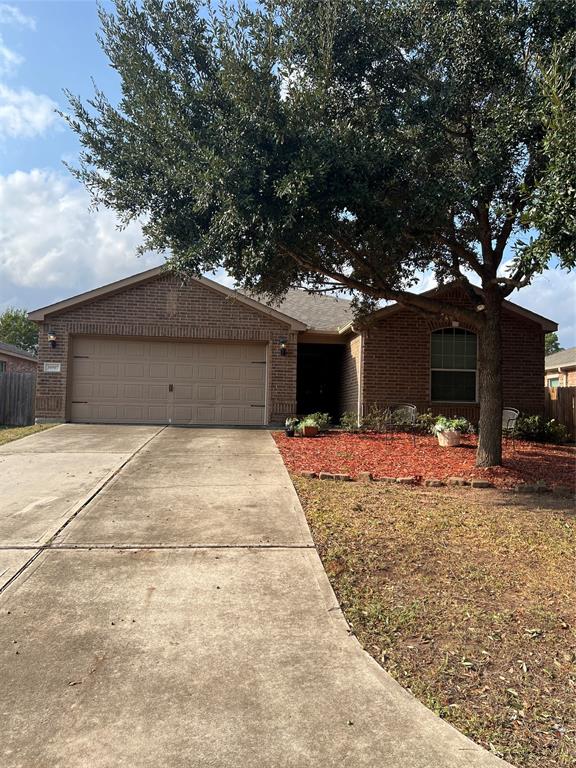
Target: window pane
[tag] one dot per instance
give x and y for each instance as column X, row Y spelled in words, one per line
column 453, row 348
column 454, row 386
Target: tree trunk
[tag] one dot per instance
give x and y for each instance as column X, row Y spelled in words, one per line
column 489, row 453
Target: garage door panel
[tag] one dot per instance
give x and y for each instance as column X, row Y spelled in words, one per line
column 128, row 381
column 255, row 374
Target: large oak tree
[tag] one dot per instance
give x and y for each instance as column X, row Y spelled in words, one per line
column 346, row 145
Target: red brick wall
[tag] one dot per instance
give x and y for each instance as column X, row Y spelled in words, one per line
column 162, row 308
column 566, row 378
column 397, row 364
column 18, row 364
column 351, row 375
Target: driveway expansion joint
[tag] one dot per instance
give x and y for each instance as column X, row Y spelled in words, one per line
column 76, row 511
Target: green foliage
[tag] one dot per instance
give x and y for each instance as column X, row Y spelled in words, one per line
column 552, row 209
column 539, row 430
column 425, row 422
column 318, row 419
column 15, row 328
column 376, row 420
column 291, row 422
column 272, row 143
column 349, row 422
column 456, row 424
column 551, row 344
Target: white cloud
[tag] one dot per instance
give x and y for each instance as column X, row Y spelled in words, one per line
column 9, row 59
column 50, row 239
column 10, row 14
column 552, row 294
column 24, row 114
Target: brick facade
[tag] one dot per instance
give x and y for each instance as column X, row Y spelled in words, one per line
column 396, row 363
column 164, row 309
column 351, row 375
column 17, row 364
column 388, row 363
column 566, row 377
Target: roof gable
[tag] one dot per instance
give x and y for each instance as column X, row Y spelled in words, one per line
column 547, row 325
column 150, row 275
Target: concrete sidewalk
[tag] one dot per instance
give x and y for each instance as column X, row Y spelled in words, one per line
column 183, row 619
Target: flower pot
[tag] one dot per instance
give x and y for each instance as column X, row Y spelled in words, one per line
column 289, row 432
column 309, row 431
column 449, row 438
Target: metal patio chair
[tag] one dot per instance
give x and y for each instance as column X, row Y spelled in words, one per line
column 401, row 418
column 509, row 419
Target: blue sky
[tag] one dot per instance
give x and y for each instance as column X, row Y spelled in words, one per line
column 51, row 245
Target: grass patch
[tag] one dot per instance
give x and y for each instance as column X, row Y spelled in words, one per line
column 7, row 434
column 468, row 599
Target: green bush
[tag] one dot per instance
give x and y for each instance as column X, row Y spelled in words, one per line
column 456, row 424
column 376, row 419
column 318, row 419
column 425, row 422
column 539, row 430
column 349, row 422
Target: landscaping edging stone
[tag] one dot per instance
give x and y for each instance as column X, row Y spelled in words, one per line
column 460, row 482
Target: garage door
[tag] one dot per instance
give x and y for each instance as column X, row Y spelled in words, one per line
column 128, row 381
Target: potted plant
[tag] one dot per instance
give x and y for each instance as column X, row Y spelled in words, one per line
column 449, row 431
column 290, row 426
column 308, row 427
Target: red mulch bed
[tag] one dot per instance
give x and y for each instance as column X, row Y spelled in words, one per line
column 340, row 452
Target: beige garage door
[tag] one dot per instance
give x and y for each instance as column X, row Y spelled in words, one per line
column 126, row 381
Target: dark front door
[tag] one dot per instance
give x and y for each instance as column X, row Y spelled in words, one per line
column 319, row 377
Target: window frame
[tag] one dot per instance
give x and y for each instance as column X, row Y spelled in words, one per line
column 455, row 370
column 3, row 366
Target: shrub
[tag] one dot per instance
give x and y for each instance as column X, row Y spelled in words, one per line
column 376, row 419
column 318, row 419
column 425, row 422
column 539, row 430
column 349, row 422
column 456, row 424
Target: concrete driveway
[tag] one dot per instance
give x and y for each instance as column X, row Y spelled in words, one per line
column 169, row 610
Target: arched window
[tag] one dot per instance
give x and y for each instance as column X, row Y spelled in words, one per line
column 453, row 363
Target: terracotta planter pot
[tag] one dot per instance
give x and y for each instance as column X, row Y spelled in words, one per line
column 449, row 438
column 309, row 431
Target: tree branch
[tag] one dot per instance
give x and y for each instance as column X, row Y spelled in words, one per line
column 405, row 298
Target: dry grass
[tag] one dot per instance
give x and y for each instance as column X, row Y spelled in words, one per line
column 7, row 434
column 468, row 599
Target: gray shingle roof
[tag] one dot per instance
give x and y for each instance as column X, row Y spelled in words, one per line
column 12, row 349
column 318, row 311
column 560, row 359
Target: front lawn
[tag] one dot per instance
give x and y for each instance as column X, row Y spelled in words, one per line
column 7, row 434
column 340, row 452
column 467, row 598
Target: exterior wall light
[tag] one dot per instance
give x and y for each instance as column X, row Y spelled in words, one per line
column 52, row 339
column 283, row 347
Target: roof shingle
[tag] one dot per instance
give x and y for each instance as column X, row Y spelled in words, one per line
column 12, row 349
column 560, row 359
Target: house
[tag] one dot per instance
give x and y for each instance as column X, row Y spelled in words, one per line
column 560, row 368
column 16, row 360
column 148, row 349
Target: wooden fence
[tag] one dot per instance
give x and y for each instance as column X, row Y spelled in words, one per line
column 17, row 395
column 560, row 404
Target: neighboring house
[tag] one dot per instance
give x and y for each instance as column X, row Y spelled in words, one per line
column 560, row 368
column 16, row 360
column 148, row 349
